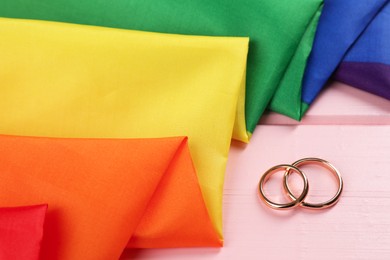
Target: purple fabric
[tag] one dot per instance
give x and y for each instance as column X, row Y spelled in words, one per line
column 341, row 24
column 368, row 76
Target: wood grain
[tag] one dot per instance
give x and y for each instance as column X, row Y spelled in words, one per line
column 340, row 104
column 358, row 227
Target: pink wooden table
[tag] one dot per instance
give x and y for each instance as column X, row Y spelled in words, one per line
column 349, row 128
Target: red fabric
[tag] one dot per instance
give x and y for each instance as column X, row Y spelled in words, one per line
column 21, row 231
column 103, row 193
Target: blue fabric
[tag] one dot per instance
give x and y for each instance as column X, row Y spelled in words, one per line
column 374, row 44
column 341, row 23
column 367, row 64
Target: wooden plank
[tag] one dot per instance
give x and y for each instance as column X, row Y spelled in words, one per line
column 356, row 228
column 340, row 104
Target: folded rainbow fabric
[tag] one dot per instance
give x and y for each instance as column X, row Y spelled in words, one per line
column 105, row 193
column 367, row 64
column 281, row 33
column 21, row 230
column 341, row 24
column 67, row 80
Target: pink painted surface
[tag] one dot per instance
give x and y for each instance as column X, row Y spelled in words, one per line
column 358, row 227
column 342, row 105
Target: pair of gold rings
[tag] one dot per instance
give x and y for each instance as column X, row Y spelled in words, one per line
column 300, row 200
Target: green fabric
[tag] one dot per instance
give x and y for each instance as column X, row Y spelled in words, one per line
column 276, row 29
column 287, row 99
column 304, row 107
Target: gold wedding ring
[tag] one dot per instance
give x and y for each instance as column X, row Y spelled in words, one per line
column 300, row 200
column 296, row 201
column 321, row 163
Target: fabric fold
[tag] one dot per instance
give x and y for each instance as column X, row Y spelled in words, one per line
column 367, row 76
column 341, row 24
column 279, row 30
column 21, row 230
column 67, row 80
column 176, row 215
column 103, row 192
column 367, row 64
column 287, row 99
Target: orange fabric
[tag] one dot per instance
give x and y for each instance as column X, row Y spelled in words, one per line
column 103, row 192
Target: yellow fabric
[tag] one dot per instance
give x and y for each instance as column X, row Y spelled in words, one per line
column 66, row 80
